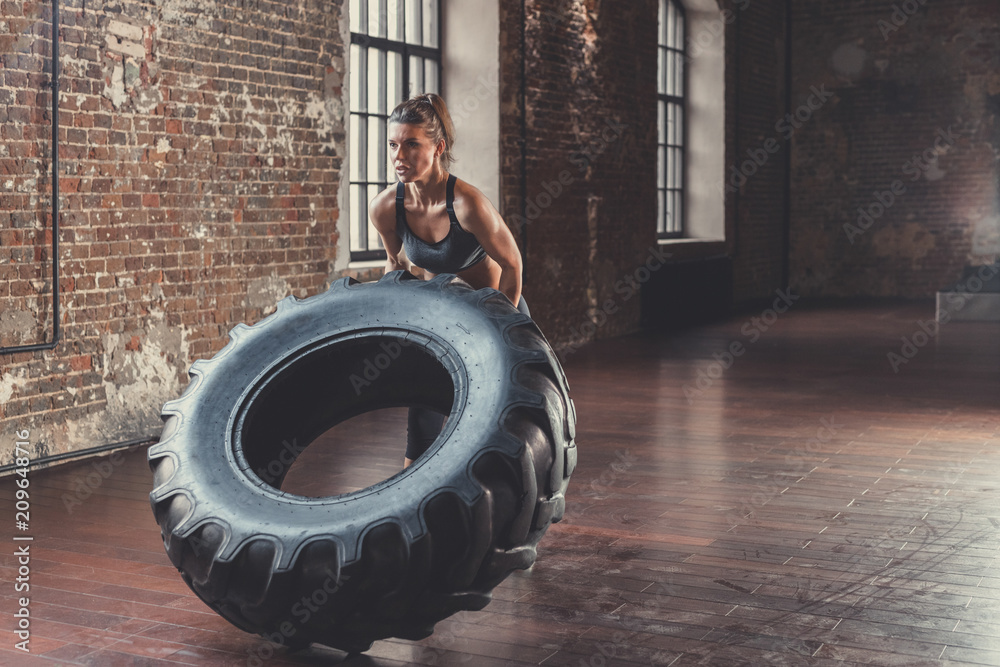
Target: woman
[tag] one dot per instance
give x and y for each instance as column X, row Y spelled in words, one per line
column 442, row 224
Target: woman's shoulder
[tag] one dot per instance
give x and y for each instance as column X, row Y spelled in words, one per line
column 383, row 206
column 470, row 201
column 466, row 190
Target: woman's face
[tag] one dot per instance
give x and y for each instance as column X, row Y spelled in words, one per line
column 413, row 154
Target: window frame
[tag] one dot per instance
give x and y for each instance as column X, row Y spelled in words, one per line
column 663, row 180
column 359, row 227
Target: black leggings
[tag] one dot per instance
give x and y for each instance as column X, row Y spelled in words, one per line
column 424, row 425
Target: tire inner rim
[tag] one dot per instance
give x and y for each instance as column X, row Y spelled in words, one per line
column 309, row 392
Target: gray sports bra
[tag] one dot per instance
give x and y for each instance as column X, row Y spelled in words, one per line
column 456, row 252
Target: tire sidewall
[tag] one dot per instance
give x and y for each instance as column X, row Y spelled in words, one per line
column 469, row 341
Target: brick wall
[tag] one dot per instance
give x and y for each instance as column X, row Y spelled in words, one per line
column 201, row 151
column 895, row 179
column 591, row 155
column 200, row 157
column 589, row 67
column 757, row 145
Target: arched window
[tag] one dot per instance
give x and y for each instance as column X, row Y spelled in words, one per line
column 395, row 53
column 670, row 115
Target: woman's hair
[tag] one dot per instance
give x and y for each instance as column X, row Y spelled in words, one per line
column 431, row 113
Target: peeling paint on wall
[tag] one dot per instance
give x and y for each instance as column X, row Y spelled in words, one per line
column 8, row 382
column 141, row 370
column 130, row 68
column 266, row 292
column 17, row 326
column 903, row 242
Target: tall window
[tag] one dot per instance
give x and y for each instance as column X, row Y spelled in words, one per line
column 670, row 114
column 395, row 54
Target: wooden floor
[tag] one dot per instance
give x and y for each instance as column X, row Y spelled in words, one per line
column 805, row 504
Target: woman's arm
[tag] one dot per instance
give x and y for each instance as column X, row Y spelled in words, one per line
column 477, row 215
column 382, row 211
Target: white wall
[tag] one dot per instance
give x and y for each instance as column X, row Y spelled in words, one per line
column 471, row 87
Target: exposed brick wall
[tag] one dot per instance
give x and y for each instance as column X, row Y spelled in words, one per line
column 589, row 68
column 911, row 79
column 24, row 176
column 200, row 157
column 201, row 150
column 590, row 150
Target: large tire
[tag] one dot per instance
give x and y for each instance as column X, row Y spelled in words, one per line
column 393, row 559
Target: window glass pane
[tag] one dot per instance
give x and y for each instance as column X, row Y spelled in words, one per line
column 356, row 159
column 668, row 211
column 357, row 67
column 356, row 11
column 659, row 71
column 678, row 37
column 378, row 94
column 679, row 64
column 671, row 119
column 671, row 204
column 668, row 86
column 394, row 16
column 679, row 125
column 661, row 21
column 661, row 120
column 669, row 72
column 376, row 25
column 375, row 167
column 356, row 207
column 416, row 82
column 670, row 122
column 660, row 209
column 413, row 21
column 668, row 32
column 394, row 80
column 430, row 21
column 668, row 29
column 430, row 76
column 374, row 81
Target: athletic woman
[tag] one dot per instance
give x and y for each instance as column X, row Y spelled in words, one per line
column 439, row 224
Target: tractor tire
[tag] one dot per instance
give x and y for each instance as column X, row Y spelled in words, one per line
column 393, row 559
